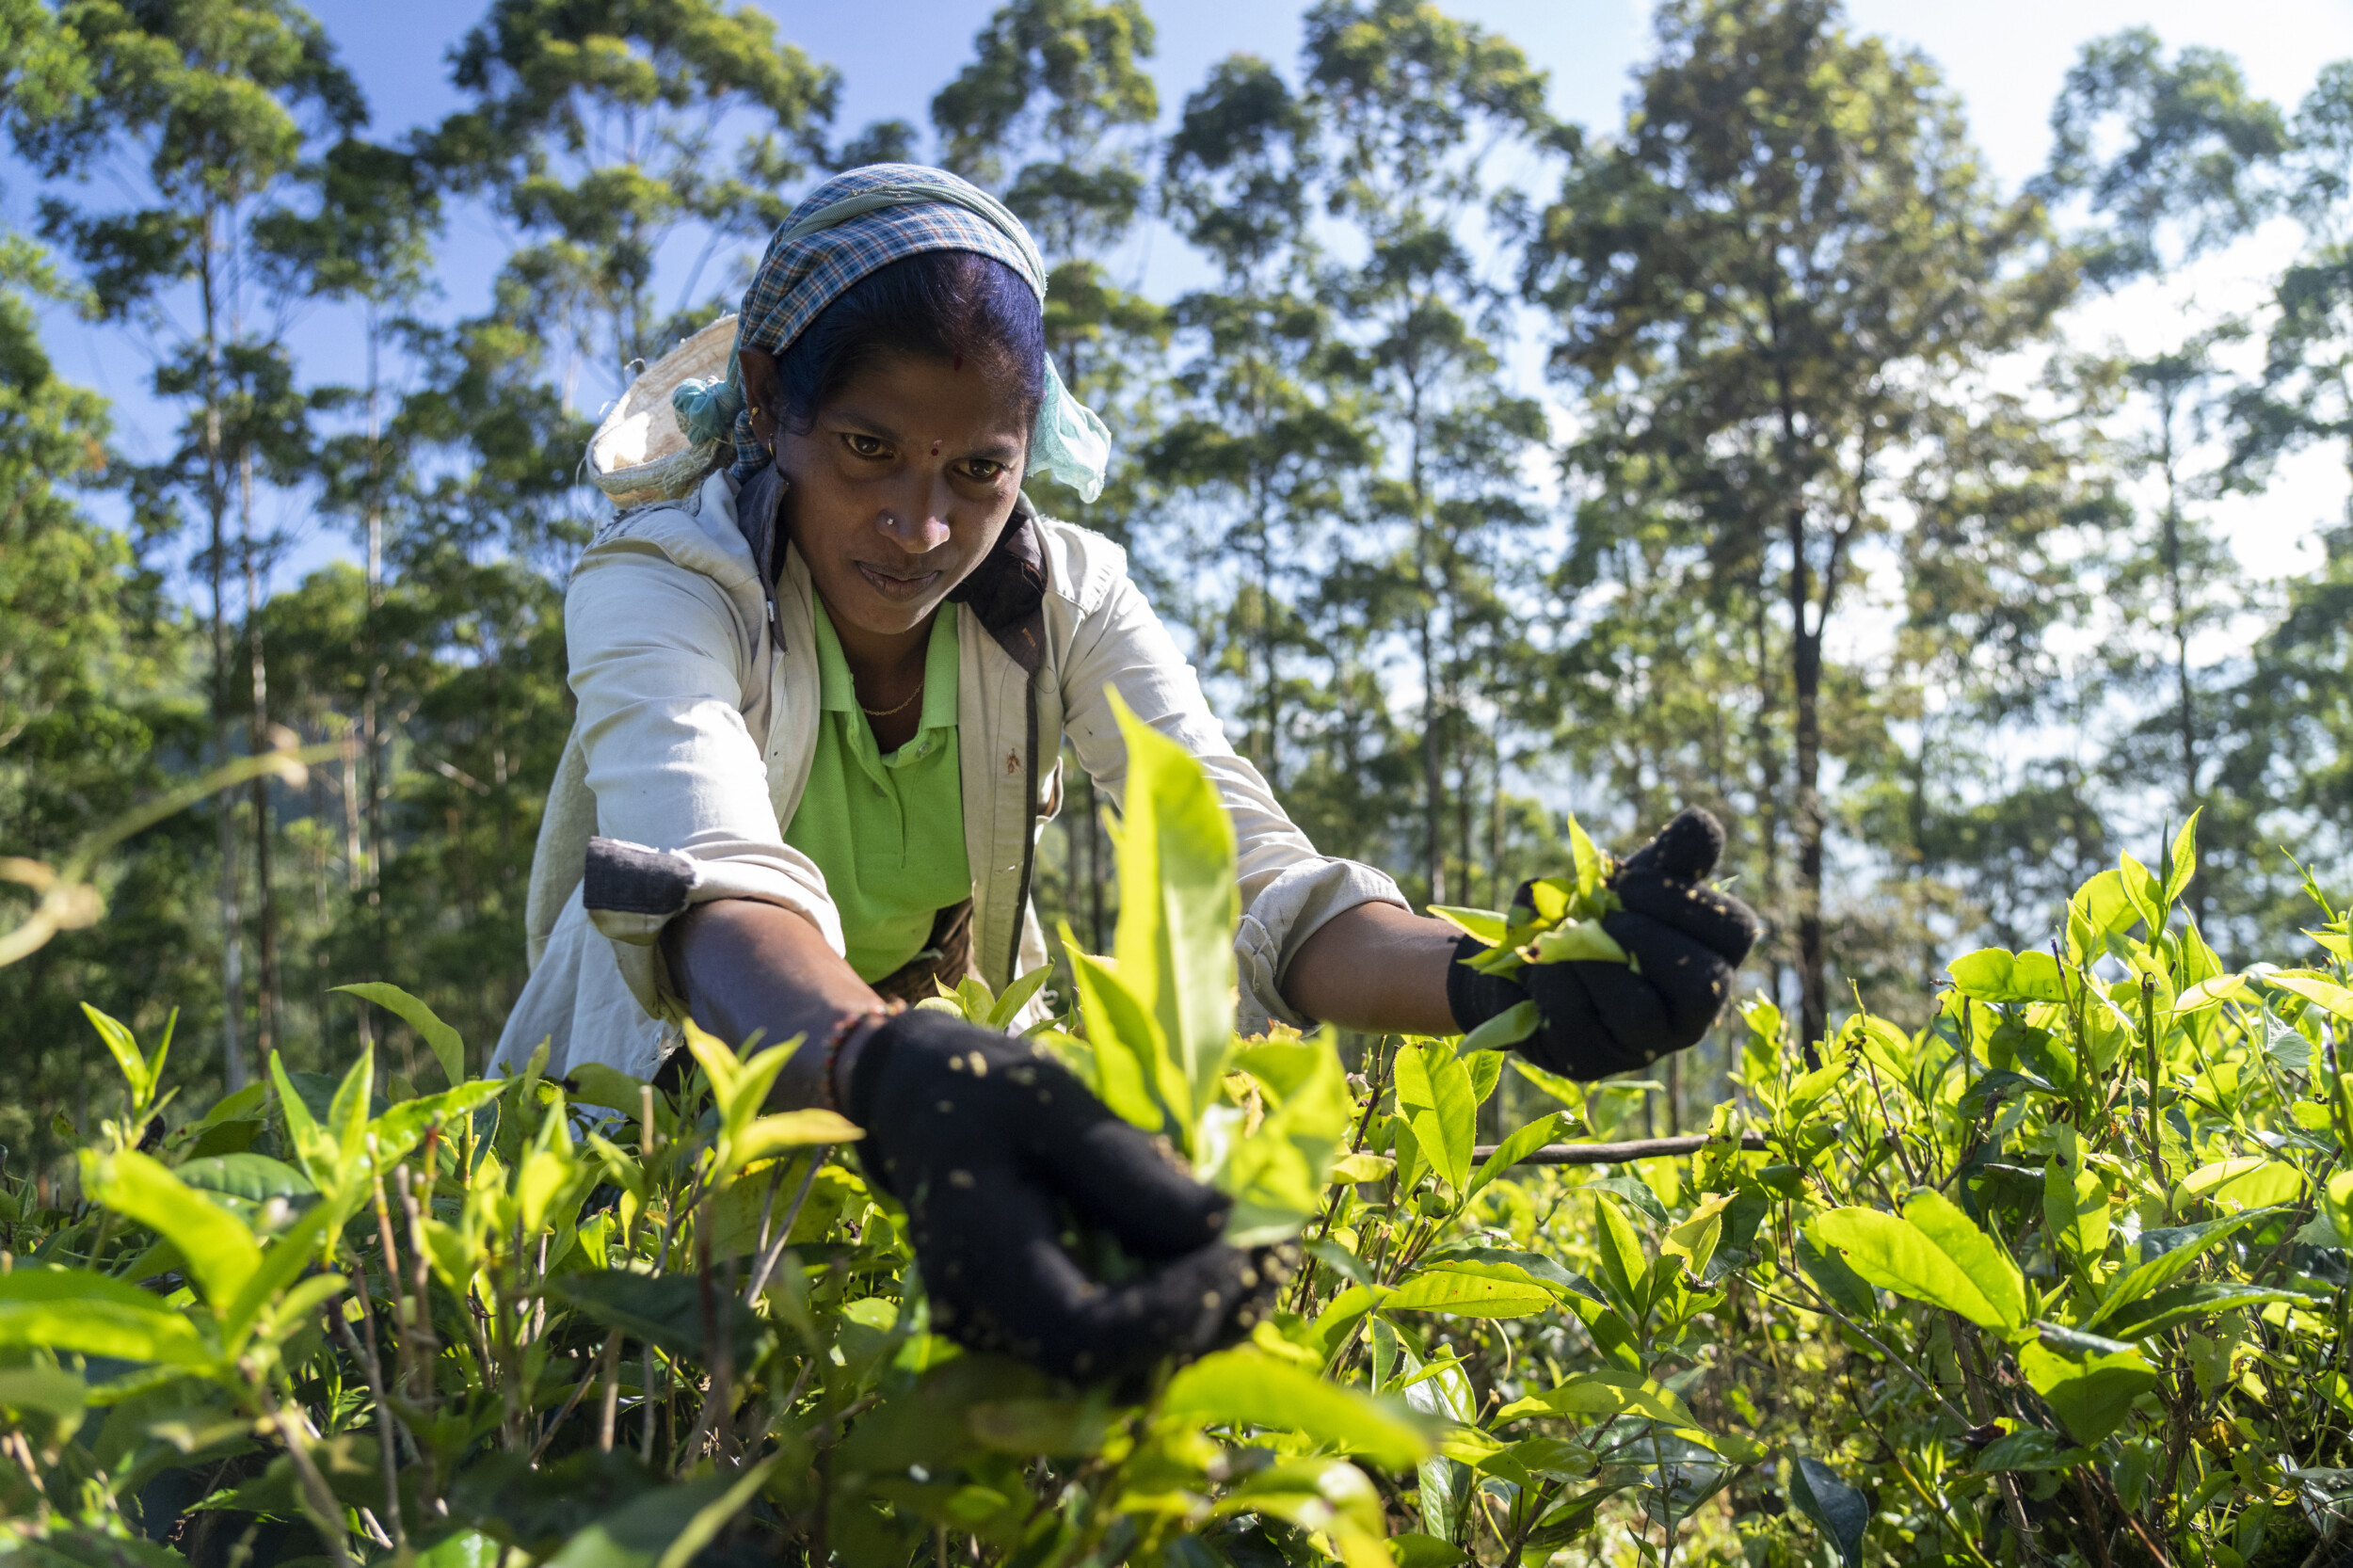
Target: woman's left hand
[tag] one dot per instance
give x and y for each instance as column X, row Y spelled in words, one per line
column 1598, row 1017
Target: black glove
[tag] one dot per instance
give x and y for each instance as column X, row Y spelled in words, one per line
column 993, row 1147
column 1686, row 938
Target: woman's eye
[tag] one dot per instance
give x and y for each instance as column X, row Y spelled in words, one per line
column 982, row 470
column 863, row 447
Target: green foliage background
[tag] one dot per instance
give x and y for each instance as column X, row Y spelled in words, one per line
column 1855, row 543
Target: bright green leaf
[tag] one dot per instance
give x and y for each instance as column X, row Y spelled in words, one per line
column 125, row 1050
column 1897, row 1254
column 1522, row 1144
column 1992, row 974
column 1245, row 1387
column 218, row 1249
column 439, row 1038
column 1434, row 1094
column 1178, row 904
column 2090, row 1395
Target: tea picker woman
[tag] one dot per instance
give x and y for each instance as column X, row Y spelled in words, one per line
column 827, row 656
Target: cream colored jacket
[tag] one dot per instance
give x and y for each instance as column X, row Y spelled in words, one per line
column 698, row 724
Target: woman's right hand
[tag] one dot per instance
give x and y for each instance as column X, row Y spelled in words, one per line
column 989, row 1143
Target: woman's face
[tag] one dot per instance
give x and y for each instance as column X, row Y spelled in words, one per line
column 899, row 488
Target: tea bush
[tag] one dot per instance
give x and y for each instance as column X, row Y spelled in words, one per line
column 2060, row 1278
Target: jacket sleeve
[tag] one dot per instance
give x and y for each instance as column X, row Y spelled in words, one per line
column 1287, row 890
column 659, row 664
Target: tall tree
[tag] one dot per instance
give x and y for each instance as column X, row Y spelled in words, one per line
column 1419, row 108
column 1270, row 424
column 368, row 238
column 205, row 108
column 1053, row 112
column 2169, row 158
column 1784, row 276
column 2290, row 747
column 2164, row 162
column 93, row 707
column 601, row 128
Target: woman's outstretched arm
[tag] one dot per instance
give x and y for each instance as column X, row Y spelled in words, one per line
column 1376, row 968
column 744, row 966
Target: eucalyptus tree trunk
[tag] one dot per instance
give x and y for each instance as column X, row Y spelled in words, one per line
column 257, row 741
column 232, row 1063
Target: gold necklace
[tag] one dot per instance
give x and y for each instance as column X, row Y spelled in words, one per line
column 886, row 712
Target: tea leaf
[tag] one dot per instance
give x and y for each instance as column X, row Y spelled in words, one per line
column 1577, row 941
column 1128, row 1048
column 2185, row 1303
column 1570, row 1092
column 1522, row 1144
column 1840, row 1511
column 1622, row 1258
column 1248, row 1387
column 1276, row 1175
column 2185, row 858
column 439, row 1037
column 666, row 1309
column 86, row 1312
column 2075, row 1202
column 1896, row 1253
column 127, row 1056
column 1489, row 925
column 1178, row 906
column 1471, row 1291
column 1351, row 1169
column 219, row 1250
column 1505, row 1030
column 2325, row 994
column 248, row 1178
column 1008, row 1007
column 1602, row 1394
column 2249, row 1181
column 1992, row 974
column 1434, row 1094
column 2090, row 1395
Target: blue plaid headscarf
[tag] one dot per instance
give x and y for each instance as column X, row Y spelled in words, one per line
column 849, row 226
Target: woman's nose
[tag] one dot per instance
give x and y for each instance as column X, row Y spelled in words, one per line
column 918, row 524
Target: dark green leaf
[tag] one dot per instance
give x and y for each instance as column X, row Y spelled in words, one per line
column 2185, row 1303
column 668, row 1310
column 1838, row 1510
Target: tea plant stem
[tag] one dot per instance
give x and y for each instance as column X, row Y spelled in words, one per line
column 645, row 1401
column 1616, row 1154
column 318, row 1502
column 2106, row 1488
column 1895, row 1138
column 1931, row 1497
column 612, row 1394
column 2149, row 1027
column 771, row 1253
column 21, row 1450
column 391, row 1263
column 1826, row 1310
column 1968, row 1350
column 1384, row 1061
column 388, row 1445
column 419, row 1320
column 547, row 1433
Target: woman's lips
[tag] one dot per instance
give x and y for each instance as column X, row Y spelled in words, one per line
column 891, row 587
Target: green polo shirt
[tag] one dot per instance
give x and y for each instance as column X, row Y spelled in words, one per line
column 887, row 831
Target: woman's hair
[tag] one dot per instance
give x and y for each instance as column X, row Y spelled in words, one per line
column 951, row 305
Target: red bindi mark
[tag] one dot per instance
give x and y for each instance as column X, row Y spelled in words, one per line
column 935, row 448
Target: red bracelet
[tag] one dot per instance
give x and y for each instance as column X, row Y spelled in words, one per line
column 838, row 1037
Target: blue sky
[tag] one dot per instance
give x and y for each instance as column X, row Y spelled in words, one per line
column 2006, row 58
